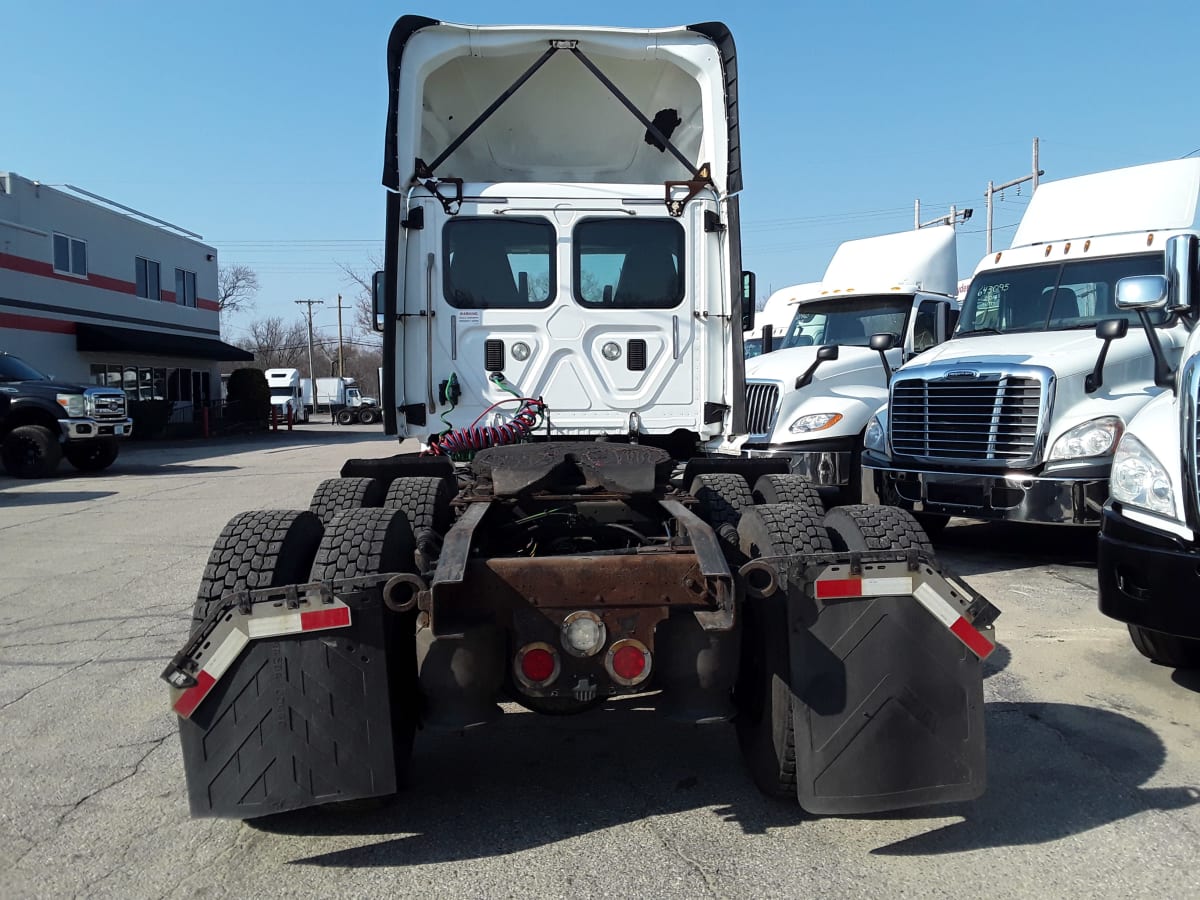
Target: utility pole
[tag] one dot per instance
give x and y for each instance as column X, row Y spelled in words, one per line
column 341, row 364
column 957, row 217
column 992, row 189
column 312, row 374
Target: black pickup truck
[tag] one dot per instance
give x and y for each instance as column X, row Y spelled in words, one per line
column 42, row 420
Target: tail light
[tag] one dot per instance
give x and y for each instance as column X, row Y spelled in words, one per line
column 628, row 662
column 536, row 665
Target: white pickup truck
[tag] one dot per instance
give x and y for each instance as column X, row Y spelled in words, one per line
column 882, row 300
column 1017, row 417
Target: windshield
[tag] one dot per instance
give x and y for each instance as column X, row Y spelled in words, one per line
column 847, row 321
column 13, row 369
column 1052, row 297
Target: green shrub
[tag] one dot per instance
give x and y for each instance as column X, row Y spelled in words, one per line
column 150, row 417
column 249, row 396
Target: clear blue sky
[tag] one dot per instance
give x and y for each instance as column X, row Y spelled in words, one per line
column 261, row 125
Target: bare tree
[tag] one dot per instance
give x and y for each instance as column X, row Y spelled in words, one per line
column 360, row 282
column 236, row 287
column 276, row 344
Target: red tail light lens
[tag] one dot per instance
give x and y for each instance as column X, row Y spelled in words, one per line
column 628, row 662
column 536, row 665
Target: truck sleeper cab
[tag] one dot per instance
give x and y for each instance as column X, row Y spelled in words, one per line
column 1017, row 417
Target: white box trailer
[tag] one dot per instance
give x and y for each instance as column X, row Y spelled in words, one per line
column 1017, row 416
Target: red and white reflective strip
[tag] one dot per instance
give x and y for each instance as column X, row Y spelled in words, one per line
column 244, row 629
column 853, row 588
column 835, row 588
column 949, row 615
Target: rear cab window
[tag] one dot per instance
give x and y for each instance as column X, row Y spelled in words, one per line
column 499, row 263
column 628, row 263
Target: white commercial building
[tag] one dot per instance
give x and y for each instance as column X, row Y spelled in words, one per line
column 97, row 293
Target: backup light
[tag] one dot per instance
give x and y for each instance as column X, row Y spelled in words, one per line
column 611, row 351
column 520, row 351
column 583, row 633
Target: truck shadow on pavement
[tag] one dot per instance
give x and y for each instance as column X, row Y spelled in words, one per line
column 526, row 782
column 46, row 498
column 1055, row 770
column 977, row 548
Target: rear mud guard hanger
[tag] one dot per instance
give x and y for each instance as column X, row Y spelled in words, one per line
column 425, row 172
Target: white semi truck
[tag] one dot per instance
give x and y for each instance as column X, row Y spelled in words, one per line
column 287, row 397
column 1017, row 416
column 562, row 306
column 776, row 314
column 882, row 301
column 1149, row 560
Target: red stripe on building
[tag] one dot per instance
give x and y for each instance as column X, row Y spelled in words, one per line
column 325, row 618
column 167, row 296
column 190, row 699
column 839, row 588
column 46, row 270
column 978, row 644
column 210, row 305
column 36, row 323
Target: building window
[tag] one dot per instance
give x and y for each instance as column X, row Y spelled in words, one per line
column 70, row 256
column 185, row 287
column 147, row 279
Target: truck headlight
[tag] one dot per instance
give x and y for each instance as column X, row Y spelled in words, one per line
column 875, row 437
column 814, row 422
column 1139, row 479
column 74, row 404
column 1094, row 438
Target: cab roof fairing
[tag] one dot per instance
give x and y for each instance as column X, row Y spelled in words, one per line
column 459, row 70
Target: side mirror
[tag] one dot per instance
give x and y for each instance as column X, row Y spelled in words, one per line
column 825, row 353
column 377, row 300
column 1142, row 292
column 881, row 343
column 748, row 301
column 768, row 338
column 1183, row 258
column 1108, row 330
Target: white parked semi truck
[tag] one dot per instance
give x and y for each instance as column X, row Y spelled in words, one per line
column 1017, row 416
column 1149, row 560
column 562, row 307
column 287, row 398
column 881, row 301
column 776, row 314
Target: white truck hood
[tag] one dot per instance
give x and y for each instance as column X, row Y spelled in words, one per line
column 1065, row 352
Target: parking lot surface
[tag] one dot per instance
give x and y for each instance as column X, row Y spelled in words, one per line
column 1093, row 757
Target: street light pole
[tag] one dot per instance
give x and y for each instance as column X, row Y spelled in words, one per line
column 312, row 374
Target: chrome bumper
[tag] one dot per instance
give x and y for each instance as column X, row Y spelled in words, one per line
column 1010, row 498
column 87, row 429
column 824, row 467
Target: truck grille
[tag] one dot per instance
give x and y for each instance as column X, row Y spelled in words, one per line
column 109, row 406
column 984, row 418
column 762, row 404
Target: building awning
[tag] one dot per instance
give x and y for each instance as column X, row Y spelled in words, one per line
column 106, row 339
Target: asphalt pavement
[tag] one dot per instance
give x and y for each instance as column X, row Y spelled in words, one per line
column 1094, row 763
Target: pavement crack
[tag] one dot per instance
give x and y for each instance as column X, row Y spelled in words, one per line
column 694, row 865
column 154, row 743
column 58, row 677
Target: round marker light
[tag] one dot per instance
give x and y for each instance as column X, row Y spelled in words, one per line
column 611, row 351
column 628, row 662
column 536, row 665
column 583, row 633
column 520, row 351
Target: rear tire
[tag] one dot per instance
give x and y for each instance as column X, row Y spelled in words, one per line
column 721, row 498
column 336, row 495
column 31, row 451
column 765, row 723
column 346, row 417
column 1166, row 649
column 368, row 415
column 788, row 489
column 258, row 549
column 92, row 456
column 933, row 523
column 425, row 500
column 360, row 542
column 863, row 527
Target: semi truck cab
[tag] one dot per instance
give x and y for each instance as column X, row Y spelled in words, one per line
column 1017, row 416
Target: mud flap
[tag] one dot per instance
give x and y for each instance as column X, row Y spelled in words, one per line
column 296, row 721
column 887, row 705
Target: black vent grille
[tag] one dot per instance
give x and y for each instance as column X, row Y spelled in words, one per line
column 493, row 356
column 762, row 402
column 635, row 355
column 983, row 419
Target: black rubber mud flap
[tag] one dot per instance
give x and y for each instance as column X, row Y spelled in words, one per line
column 296, row 721
column 887, row 706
